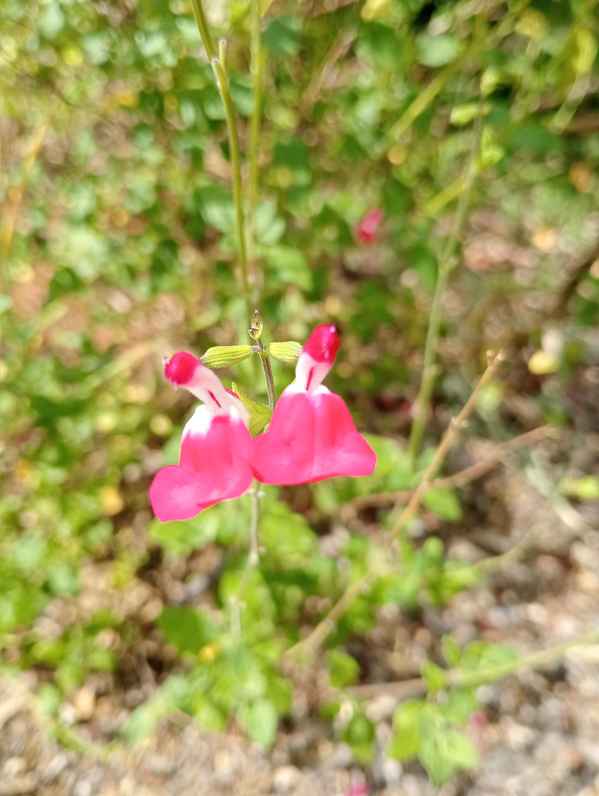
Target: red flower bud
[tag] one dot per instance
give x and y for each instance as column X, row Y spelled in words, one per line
column 180, row 368
column 323, row 343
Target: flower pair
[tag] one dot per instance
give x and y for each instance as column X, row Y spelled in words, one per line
column 311, row 435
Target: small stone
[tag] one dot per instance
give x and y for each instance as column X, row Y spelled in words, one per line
column 388, row 770
column 55, row 768
column 14, row 766
column 84, row 703
column 160, row 765
column 224, row 767
column 82, row 788
column 519, row 736
column 285, row 778
column 381, row 707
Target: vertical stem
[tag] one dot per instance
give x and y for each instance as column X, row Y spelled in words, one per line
column 219, row 67
column 446, row 265
column 254, row 556
column 257, row 70
column 202, row 23
column 267, row 370
column 222, row 80
column 255, row 334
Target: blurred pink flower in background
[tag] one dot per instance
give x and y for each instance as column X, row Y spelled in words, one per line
column 368, row 227
column 360, row 789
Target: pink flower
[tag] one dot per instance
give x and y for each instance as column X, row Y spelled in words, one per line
column 311, row 435
column 368, row 227
column 215, row 446
column 360, row 789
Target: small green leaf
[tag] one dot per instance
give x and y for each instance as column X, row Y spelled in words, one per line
column 259, row 719
column 185, row 628
column 460, row 705
column 259, row 413
column 208, row 714
column 166, row 699
column 406, row 738
column 343, row 669
column 223, row 356
column 444, row 502
column 288, row 351
column 490, row 150
column 180, row 538
column 451, row 650
column 359, row 734
column 434, row 676
column 462, row 115
column 445, row 751
column 585, row 488
column 436, row 51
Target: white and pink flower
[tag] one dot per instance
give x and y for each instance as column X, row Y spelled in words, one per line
column 214, row 461
column 311, row 435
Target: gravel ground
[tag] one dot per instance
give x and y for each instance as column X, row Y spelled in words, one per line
column 538, row 733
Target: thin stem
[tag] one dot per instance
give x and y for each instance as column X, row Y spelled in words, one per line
column 219, row 67
column 312, row 643
column 456, row 678
column 222, row 80
column 446, row 265
column 255, row 334
column 459, row 479
column 268, row 377
column 15, row 198
column 448, row 439
column 257, row 71
column 202, row 23
column 254, row 556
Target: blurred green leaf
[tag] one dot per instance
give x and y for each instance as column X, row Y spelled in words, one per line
column 437, row 50
column 343, row 669
column 444, row 502
column 259, row 719
column 407, row 730
column 186, row 628
column 585, row 488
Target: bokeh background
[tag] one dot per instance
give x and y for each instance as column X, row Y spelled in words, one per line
column 117, row 247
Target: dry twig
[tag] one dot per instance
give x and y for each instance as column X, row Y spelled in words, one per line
column 459, row 479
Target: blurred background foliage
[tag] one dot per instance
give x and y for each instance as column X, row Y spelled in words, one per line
column 117, row 247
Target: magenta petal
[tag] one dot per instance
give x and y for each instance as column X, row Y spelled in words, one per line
column 340, row 449
column 214, row 466
column 176, row 495
column 285, row 453
column 311, row 437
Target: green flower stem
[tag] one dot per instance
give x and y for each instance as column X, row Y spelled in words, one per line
column 267, row 370
column 202, row 23
column 222, row 80
column 219, row 67
column 257, row 71
column 446, row 266
column 254, row 556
